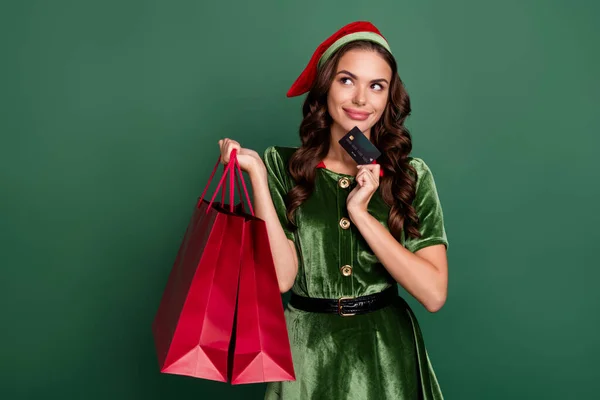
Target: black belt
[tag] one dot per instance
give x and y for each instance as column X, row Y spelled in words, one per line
column 345, row 306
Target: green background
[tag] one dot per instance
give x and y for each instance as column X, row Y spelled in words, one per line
column 111, row 113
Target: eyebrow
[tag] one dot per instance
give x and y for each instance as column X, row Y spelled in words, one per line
column 355, row 77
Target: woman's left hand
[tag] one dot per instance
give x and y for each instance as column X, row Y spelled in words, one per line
column 367, row 183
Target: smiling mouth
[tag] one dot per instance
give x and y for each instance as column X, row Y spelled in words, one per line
column 355, row 114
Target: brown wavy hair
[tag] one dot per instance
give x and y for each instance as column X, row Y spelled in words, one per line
column 398, row 185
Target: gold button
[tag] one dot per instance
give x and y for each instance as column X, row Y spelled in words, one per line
column 344, row 183
column 346, row 270
column 345, row 223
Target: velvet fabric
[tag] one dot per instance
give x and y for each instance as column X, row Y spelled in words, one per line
column 375, row 356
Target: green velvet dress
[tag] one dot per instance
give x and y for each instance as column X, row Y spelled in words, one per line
column 374, row 356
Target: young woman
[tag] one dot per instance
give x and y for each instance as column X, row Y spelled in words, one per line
column 343, row 235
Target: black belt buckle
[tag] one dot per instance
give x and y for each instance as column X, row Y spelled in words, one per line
column 340, row 312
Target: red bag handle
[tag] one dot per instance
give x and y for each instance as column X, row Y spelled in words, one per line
column 238, row 189
column 226, row 172
column 210, row 180
column 239, row 170
column 230, row 170
column 241, row 178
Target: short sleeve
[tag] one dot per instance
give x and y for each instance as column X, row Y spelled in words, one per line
column 429, row 210
column 279, row 183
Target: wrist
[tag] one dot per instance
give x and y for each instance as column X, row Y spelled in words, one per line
column 356, row 213
column 258, row 172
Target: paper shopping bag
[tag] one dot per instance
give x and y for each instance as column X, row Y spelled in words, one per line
column 262, row 348
column 193, row 325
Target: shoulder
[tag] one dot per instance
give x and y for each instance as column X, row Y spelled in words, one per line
column 278, row 154
column 276, row 159
column 421, row 168
column 425, row 185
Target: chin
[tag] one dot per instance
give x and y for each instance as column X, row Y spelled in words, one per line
column 347, row 124
column 362, row 125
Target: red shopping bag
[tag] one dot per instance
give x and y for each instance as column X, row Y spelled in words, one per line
column 262, row 348
column 193, row 325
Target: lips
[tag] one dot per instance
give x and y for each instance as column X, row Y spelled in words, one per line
column 355, row 114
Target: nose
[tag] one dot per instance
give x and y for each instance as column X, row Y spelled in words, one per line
column 359, row 96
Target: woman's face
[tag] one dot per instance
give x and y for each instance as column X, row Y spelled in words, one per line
column 359, row 91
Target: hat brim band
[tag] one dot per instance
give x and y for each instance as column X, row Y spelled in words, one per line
column 352, row 37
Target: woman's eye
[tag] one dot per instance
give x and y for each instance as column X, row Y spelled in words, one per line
column 346, row 81
column 377, row 86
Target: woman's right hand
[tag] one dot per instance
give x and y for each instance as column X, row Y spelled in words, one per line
column 249, row 160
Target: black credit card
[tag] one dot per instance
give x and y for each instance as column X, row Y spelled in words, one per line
column 359, row 147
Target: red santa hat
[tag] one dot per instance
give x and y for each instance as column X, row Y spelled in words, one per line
column 359, row 30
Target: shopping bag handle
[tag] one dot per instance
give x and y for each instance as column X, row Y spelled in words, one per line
column 210, row 180
column 238, row 189
column 231, row 169
column 239, row 170
column 222, row 191
column 228, row 170
column 236, row 167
